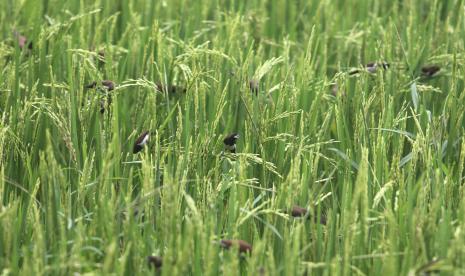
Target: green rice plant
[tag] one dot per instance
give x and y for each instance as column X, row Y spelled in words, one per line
column 351, row 111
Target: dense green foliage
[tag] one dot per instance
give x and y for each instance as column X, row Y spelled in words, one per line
column 380, row 156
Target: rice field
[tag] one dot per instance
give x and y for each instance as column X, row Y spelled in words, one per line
column 232, row 137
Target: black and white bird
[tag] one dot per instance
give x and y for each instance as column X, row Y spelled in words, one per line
column 371, row 67
column 107, row 85
column 141, row 142
column 230, row 142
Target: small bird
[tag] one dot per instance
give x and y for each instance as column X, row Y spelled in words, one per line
column 155, row 261
column 322, row 219
column 254, row 86
column 230, row 142
column 22, row 41
column 371, row 67
column 172, row 89
column 430, row 71
column 261, row 271
column 102, row 106
column 107, row 84
column 244, row 247
column 298, row 211
column 334, row 89
column 140, row 142
column 110, row 86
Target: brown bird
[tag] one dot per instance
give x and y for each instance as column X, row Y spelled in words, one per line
column 430, row 71
column 244, row 247
column 155, row 261
column 107, row 84
column 172, row 89
column 254, row 86
column 322, row 219
column 298, row 211
column 141, row 142
column 22, row 41
column 334, row 89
